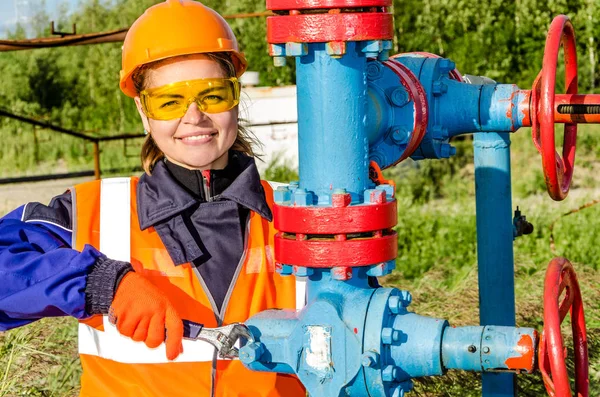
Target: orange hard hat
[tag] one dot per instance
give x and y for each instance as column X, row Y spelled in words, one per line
column 172, row 28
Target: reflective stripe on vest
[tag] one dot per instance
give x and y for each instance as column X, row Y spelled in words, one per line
column 115, row 242
column 256, row 287
column 115, row 229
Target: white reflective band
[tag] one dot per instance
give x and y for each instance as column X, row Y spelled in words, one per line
column 115, row 243
column 113, row 346
column 115, row 214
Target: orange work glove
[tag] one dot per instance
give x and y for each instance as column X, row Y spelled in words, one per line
column 143, row 312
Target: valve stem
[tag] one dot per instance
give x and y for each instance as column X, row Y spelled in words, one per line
column 579, row 109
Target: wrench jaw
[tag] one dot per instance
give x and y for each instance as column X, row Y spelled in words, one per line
column 227, row 349
column 224, row 338
column 229, row 336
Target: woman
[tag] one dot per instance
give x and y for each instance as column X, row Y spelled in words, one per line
column 191, row 239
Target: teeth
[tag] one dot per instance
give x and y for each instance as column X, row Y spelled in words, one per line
column 196, row 137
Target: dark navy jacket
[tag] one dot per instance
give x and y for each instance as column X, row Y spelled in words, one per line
column 203, row 224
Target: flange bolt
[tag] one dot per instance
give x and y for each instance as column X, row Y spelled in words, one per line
column 389, row 373
column 406, row 298
column 446, row 65
column 390, row 335
column 369, row 359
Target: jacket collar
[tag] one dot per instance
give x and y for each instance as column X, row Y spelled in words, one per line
column 160, row 196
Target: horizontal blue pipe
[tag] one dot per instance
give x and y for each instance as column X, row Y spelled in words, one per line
column 483, row 348
column 418, row 351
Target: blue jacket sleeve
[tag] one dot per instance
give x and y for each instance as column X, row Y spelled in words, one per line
column 41, row 275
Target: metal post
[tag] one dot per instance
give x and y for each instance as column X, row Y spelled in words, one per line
column 96, row 159
column 495, row 244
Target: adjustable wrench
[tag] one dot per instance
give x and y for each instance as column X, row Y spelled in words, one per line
column 222, row 338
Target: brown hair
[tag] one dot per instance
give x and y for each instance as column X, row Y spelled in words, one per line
column 151, row 154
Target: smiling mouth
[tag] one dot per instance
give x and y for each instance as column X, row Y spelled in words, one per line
column 197, row 137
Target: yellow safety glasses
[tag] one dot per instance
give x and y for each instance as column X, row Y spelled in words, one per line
column 171, row 101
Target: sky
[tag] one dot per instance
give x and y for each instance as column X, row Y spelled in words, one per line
column 8, row 11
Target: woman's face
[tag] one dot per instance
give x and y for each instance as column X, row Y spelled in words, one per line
column 197, row 140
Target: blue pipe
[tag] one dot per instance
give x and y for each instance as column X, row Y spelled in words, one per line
column 332, row 143
column 495, row 244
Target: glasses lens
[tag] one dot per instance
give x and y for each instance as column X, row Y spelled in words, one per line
column 172, row 101
column 218, row 96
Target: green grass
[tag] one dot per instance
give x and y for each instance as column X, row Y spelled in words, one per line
column 40, row 359
column 437, row 262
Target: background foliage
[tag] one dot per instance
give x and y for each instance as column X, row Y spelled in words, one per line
column 77, row 87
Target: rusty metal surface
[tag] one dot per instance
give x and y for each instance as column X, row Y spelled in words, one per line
column 67, row 131
column 112, row 36
column 80, row 39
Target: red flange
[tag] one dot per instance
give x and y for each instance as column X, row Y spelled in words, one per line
column 332, row 220
column 552, row 361
column 558, row 170
column 329, row 253
column 321, row 28
column 417, row 94
column 284, row 5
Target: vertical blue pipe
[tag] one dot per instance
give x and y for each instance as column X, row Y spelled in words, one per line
column 332, row 104
column 495, row 244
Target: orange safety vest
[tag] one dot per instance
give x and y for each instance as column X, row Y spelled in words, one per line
column 114, row 365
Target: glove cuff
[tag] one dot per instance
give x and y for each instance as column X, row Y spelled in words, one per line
column 102, row 282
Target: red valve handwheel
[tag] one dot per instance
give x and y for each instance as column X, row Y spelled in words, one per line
column 557, row 170
column 560, row 276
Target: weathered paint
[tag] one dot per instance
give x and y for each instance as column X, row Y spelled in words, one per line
column 317, row 350
column 525, row 361
column 489, row 348
column 336, row 48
